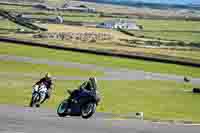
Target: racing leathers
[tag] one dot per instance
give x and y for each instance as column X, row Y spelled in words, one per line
column 48, row 83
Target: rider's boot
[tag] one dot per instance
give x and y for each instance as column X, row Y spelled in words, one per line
column 31, row 104
column 43, row 100
column 37, row 105
column 46, row 97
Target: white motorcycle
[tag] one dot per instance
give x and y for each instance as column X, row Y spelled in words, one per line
column 38, row 95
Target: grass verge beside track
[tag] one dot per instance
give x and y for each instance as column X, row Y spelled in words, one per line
column 162, row 100
column 12, row 49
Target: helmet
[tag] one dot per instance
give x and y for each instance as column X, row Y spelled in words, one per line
column 47, row 75
column 93, row 80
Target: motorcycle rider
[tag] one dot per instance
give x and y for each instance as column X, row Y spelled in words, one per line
column 47, row 81
column 87, row 86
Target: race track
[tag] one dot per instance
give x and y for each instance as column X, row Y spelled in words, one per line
column 110, row 73
column 15, row 119
column 18, row 119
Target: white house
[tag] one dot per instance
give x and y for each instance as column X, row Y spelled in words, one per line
column 123, row 24
column 78, row 9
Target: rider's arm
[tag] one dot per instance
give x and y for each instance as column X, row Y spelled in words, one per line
column 51, row 87
column 82, row 86
column 39, row 82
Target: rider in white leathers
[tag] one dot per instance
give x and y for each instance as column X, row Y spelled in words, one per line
column 47, row 81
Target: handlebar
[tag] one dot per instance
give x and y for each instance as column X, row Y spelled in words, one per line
column 69, row 91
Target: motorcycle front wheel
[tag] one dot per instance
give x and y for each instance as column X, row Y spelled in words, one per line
column 35, row 99
column 62, row 109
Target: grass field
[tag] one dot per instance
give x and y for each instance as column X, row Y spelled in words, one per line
column 81, row 29
column 154, row 98
column 86, row 19
column 15, row 8
column 113, row 46
column 180, row 30
column 12, row 49
column 180, row 36
column 9, row 27
column 179, row 25
column 188, row 31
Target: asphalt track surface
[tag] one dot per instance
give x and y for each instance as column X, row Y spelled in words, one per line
column 15, row 119
column 110, row 73
column 18, row 119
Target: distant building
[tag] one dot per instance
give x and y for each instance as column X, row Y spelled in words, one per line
column 55, row 20
column 80, row 8
column 123, row 24
column 42, row 6
column 65, row 5
column 59, row 20
column 24, row 17
column 77, row 9
column 30, row 18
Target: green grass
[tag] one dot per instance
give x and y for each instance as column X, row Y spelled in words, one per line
column 7, row 26
column 148, row 24
column 95, row 19
column 157, row 99
column 28, row 68
column 156, row 26
column 55, row 2
column 189, row 54
column 179, row 36
column 12, row 49
column 167, row 29
column 15, row 8
column 169, row 25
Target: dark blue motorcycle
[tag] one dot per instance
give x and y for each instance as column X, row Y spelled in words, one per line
column 82, row 104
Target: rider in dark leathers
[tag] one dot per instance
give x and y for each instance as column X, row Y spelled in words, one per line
column 87, row 86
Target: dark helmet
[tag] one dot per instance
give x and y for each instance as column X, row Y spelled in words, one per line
column 93, row 81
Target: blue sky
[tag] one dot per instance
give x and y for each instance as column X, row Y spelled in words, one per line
column 163, row 1
column 175, row 1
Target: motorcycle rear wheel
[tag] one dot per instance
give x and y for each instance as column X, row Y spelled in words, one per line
column 88, row 110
